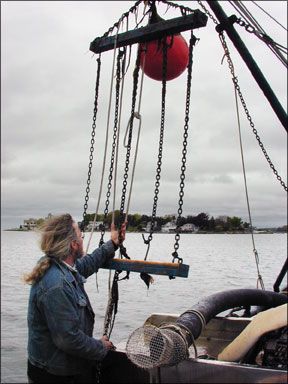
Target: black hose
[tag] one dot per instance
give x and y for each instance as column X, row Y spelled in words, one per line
column 201, row 313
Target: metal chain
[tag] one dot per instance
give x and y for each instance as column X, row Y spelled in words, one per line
column 183, row 9
column 132, row 116
column 231, row 66
column 184, row 150
column 111, row 310
column 126, row 14
column 134, row 9
column 237, row 87
column 235, row 80
column 275, row 47
column 249, row 28
column 92, row 141
column 114, row 141
column 160, row 147
column 112, row 306
column 207, row 12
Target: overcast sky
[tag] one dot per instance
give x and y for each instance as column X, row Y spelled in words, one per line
column 48, row 80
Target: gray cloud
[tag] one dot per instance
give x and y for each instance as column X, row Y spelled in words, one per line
column 48, row 80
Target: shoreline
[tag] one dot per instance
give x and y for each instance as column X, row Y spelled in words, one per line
column 257, row 232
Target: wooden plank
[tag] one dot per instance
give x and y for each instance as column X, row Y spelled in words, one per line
column 151, row 32
column 151, row 267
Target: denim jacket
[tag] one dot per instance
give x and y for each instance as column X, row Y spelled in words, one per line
column 61, row 319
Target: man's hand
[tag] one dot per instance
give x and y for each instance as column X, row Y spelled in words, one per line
column 115, row 233
column 108, row 344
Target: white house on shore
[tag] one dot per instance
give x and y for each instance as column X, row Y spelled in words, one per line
column 29, row 224
column 169, row 227
column 97, row 226
column 189, row 228
column 148, row 226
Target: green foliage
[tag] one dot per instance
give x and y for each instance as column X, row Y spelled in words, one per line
column 39, row 222
column 138, row 222
column 234, row 222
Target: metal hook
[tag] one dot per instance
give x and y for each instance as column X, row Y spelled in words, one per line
column 147, row 242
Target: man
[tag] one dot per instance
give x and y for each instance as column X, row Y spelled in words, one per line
column 61, row 348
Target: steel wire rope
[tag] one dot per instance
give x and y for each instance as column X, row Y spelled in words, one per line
column 231, row 66
column 252, row 26
column 247, row 112
column 244, row 12
column 268, row 14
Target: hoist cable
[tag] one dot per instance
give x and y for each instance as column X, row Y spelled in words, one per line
column 106, row 144
column 252, row 26
column 246, row 15
column 268, row 14
column 247, row 113
column 246, row 189
column 235, row 81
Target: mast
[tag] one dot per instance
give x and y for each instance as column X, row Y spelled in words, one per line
column 227, row 25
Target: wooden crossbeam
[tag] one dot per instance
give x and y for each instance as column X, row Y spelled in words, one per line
column 151, row 267
column 151, row 32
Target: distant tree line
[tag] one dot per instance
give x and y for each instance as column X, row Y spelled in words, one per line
column 138, row 222
column 205, row 223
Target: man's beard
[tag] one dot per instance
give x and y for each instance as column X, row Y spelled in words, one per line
column 78, row 254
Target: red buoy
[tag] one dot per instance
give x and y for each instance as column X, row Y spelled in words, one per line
column 152, row 57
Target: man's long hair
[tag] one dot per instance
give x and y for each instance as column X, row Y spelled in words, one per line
column 57, row 234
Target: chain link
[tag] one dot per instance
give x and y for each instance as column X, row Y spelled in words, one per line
column 120, row 56
column 184, row 150
column 112, row 306
column 132, row 116
column 92, row 142
column 160, row 147
column 207, row 12
column 249, row 28
column 237, row 87
column 184, row 10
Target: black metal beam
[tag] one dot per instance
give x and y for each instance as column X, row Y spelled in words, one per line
column 280, row 277
column 151, row 32
column 226, row 24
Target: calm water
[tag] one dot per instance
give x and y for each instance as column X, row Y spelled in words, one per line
column 217, row 262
